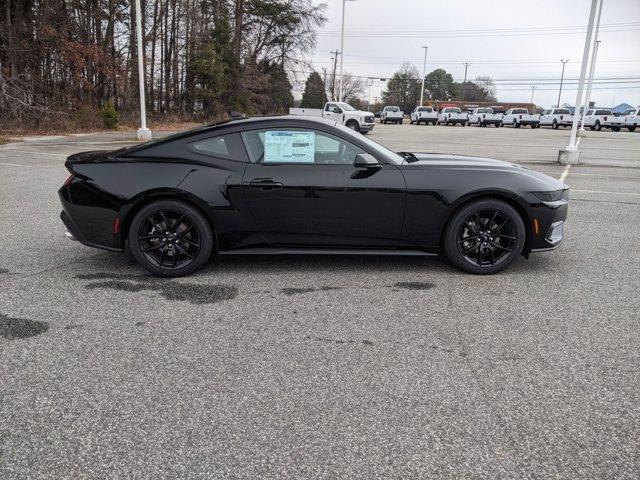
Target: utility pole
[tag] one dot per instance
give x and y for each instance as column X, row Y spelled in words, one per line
column 533, row 90
column 333, row 76
column 464, row 84
column 561, row 79
column 424, row 72
column 143, row 134
column 570, row 154
column 592, row 68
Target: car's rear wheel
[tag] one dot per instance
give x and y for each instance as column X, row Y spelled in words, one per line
column 484, row 237
column 554, row 125
column 631, row 129
column 598, row 127
column 170, row 238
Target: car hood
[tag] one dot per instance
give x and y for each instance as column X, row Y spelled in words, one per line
column 480, row 163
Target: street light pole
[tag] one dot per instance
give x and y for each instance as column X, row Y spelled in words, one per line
column 344, row 2
column 570, row 154
column 592, row 68
column 143, row 134
column 561, row 79
column 424, row 72
column 464, row 83
column 369, row 83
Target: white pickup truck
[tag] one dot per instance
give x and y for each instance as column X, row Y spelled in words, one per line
column 452, row 115
column 391, row 114
column 424, row 114
column 520, row 116
column 599, row 118
column 484, row 116
column 341, row 112
column 556, row 117
column 631, row 119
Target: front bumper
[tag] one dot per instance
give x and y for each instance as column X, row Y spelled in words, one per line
column 547, row 222
column 367, row 127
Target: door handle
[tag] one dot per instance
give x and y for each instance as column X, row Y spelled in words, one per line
column 265, row 184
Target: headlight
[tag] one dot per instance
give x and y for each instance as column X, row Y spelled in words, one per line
column 549, row 196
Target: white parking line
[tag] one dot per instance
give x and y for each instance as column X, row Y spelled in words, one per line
column 565, row 172
column 14, row 165
column 609, row 193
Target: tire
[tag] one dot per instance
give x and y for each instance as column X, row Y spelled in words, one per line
column 592, row 128
column 597, row 126
column 515, row 123
column 194, row 231
column 353, row 125
column 400, row 122
column 435, row 123
column 464, row 124
column 486, row 259
column 632, row 129
column 446, row 123
column 615, row 129
column 501, row 125
column 554, row 125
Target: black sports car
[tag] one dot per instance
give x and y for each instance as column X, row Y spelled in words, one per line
column 304, row 185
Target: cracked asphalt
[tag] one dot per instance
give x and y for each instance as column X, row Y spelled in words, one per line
column 325, row 367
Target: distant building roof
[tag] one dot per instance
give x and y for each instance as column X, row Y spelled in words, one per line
column 623, row 107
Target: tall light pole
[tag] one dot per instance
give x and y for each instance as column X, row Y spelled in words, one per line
column 464, row 83
column 143, row 134
column 561, row 79
column 592, row 68
column 570, row 154
column 344, row 2
column 424, row 73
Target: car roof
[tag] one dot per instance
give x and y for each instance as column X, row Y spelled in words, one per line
column 302, row 120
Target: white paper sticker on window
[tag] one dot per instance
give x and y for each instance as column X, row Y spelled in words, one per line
column 289, row 147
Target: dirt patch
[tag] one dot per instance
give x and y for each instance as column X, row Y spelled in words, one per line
column 19, row 328
column 414, row 285
column 298, row 291
column 169, row 289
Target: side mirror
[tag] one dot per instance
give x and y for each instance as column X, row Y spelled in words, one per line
column 364, row 160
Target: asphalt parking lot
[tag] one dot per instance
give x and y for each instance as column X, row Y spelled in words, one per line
column 325, row 367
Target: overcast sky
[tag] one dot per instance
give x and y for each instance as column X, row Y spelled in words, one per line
column 509, row 40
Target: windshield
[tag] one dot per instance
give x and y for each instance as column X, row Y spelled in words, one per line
column 485, row 110
column 345, row 106
column 451, row 110
column 392, row 109
column 390, row 155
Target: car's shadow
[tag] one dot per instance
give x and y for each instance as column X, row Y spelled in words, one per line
column 343, row 264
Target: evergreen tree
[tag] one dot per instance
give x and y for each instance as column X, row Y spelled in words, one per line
column 314, row 95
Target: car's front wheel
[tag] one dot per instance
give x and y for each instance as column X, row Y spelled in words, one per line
column 170, row 238
column 484, row 237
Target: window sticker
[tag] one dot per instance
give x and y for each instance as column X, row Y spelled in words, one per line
column 289, row 147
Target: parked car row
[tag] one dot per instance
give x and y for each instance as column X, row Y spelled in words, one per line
column 363, row 122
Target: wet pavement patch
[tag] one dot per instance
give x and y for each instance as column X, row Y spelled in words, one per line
column 414, row 285
column 339, row 341
column 169, row 289
column 3, row 271
column 17, row 328
column 297, row 291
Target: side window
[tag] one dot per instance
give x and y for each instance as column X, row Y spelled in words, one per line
column 298, row 146
column 227, row 146
column 333, row 108
column 212, row 146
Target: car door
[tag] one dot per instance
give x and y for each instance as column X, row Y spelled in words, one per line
column 303, row 189
column 333, row 112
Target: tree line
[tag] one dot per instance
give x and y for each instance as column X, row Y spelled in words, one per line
column 402, row 89
column 68, row 59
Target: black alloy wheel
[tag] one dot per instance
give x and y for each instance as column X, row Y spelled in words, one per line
column 484, row 237
column 170, row 238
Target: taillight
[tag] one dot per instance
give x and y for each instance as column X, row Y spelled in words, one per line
column 68, row 181
column 520, row 117
column 605, row 118
column 116, row 225
column 560, row 117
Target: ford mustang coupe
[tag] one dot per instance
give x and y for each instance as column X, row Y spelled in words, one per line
column 305, row 185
